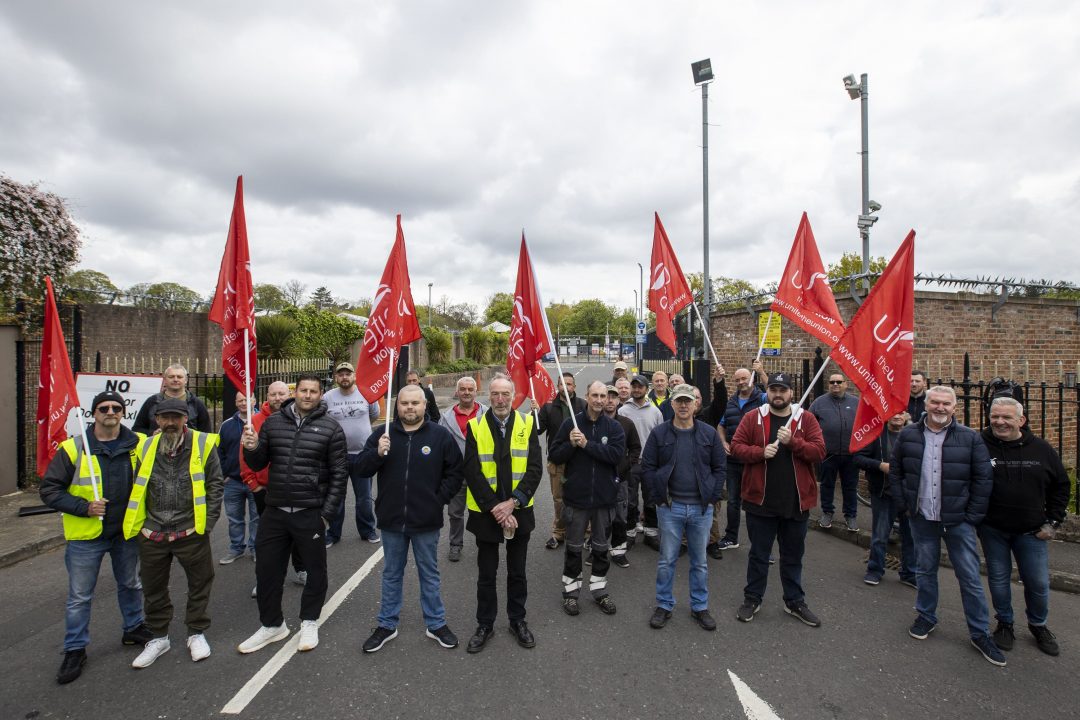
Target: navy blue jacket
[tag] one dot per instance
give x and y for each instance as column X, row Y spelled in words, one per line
column 836, row 418
column 658, row 462
column 229, row 448
column 966, row 475
column 869, row 460
column 421, row 473
column 592, row 472
column 733, row 414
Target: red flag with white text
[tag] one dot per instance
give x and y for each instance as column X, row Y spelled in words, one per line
column 234, row 301
column 668, row 290
column 876, row 349
column 392, row 323
column 530, row 338
column 803, row 294
column 56, row 385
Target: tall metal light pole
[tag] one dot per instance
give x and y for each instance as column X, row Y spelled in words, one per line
column 640, row 309
column 860, row 91
column 703, row 75
column 429, row 304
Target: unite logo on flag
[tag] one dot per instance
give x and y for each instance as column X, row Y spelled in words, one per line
column 668, row 291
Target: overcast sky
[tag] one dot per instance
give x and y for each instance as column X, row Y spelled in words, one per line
column 572, row 120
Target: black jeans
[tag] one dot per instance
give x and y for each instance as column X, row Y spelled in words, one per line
column 260, row 507
column 734, row 501
column 280, row 533
column 517, row 586
column 763, row 532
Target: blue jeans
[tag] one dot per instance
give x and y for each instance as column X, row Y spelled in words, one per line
column 237, row 499
column 425, row 547
column 849, row 483
column 733, row 478
column 884, row 512
column 694, row 520
column 365, row 507
column 1032, row 561
column 83, row 561
column 791, row 536
column 964, row 556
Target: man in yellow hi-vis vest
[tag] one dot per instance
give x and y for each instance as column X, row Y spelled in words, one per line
column 93, row 527
column 175, row 501
column 503, row 468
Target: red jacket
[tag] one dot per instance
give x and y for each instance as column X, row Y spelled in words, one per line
column 807, row 448
column 250, row 477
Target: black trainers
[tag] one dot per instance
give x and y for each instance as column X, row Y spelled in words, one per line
column 552, row 543
column 1004, row 637
column 989, row 650
column 378, row 638
column 1045, row 639
column 726, row 544
column 747, row 610
column 921, row 628
column 803, row 613
column 443, row 636
column 713, row 551
column 570, row 606
column 137, row 636
column 71, row 666
column 659, row 618
column 620, row 560
column 704, row 619
column 607, row 605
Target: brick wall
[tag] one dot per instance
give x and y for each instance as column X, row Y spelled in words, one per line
column 117, row 331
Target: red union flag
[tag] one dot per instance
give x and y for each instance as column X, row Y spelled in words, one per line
column 530, row 338
column 876, row 349
column 234, row 301
column 391, row 325
column 803, row 294
column 668, row 291
column 56, row 385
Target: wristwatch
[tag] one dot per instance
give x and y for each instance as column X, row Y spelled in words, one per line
column 517, row 504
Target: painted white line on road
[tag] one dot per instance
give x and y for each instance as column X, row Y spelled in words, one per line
column 288, row 650
column 754, row 707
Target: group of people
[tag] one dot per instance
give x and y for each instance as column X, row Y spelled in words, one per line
column 633, row 457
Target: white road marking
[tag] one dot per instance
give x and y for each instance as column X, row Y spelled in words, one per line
column 754, row 707
column 288, row 650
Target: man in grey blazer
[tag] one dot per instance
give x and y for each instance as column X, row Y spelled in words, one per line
column 455, row 419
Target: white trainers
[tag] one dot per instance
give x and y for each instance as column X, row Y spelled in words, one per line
column 309, row 635
column 263, row 637
column 153, row 650
column 199, row 648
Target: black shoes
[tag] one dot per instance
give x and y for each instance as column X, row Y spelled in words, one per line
column 553, row 543
column 524, row 636
column 137, row 636
column 704, row 619
column 443, row 636
column 479, row 639
column 713, row 550
column 1045, row 639
column 607, row 605
column 620, row 560
column 378, row 638
column 803, row 613
column 659, row 618
column 71, row 666
column 570, row 606
column 1004, row 637
column 747, row 610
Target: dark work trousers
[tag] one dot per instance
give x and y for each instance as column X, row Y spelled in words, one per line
column 155, row 563
column 576, row 520
column 517, row 586
column 279, row 533
column 633, row 503
column 763, row 532
column 619, row 522
column 734, row 501
column 260, row 506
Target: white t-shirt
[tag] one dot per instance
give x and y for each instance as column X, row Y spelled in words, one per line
column 353, row 413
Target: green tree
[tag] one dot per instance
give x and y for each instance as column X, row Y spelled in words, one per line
column 360, row 307
column 165, row 296
column 322, row 333
column 724, row 289
column 498, row 346
column 851, row 264
column 457, row 317
column 477, row 342
column 624, row 324
column 294, row 291
column 438, row 344
column 321, row 299
column 269, row 297
column 500, row 308
column 37, row 238
column 276, row 336
column 588, row 317
column 87, row 287
column 556, row 316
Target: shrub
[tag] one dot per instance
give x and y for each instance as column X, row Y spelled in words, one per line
column 438, row 344
column 477, row 342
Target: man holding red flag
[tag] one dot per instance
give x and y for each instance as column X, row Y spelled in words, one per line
column 392, row 324
column 234, row 302
column 668, row 291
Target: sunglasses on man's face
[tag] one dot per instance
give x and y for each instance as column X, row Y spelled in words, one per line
column 836, row 382
column 110, row 409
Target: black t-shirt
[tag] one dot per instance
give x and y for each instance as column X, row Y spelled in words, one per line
column 781, row 494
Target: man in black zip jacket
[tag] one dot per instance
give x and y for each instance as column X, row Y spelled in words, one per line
column 418, row 465
column 591, row 450
column 307, row 453
column 835, row 413
column 1027, row 504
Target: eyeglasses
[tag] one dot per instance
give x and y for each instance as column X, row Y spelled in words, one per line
column 836, row 382
column 110, row 409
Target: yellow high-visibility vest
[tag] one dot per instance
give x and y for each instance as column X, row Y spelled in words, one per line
column 485, row 447
column 201, row 444
column 77, row 527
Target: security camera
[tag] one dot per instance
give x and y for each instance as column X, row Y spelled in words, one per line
column 854, row 90
column 874, row 206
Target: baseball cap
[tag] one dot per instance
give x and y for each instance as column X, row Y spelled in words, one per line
column 344, row 366
column 620, row 365
column 171, row 405
column 781, row 379
column 612, row 389
column 107, row 396
column 683, row 391
column 640, row 380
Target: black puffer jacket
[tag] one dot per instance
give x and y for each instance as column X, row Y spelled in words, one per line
column 309, row 462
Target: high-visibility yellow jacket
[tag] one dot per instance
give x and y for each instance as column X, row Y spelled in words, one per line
column 485, row 448
column 77, row 527
column 201, row 445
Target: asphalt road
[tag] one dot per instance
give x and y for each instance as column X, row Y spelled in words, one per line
column 861, row 663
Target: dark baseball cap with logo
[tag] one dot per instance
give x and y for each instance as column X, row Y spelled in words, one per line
column 171, row 405
column 781, row 379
